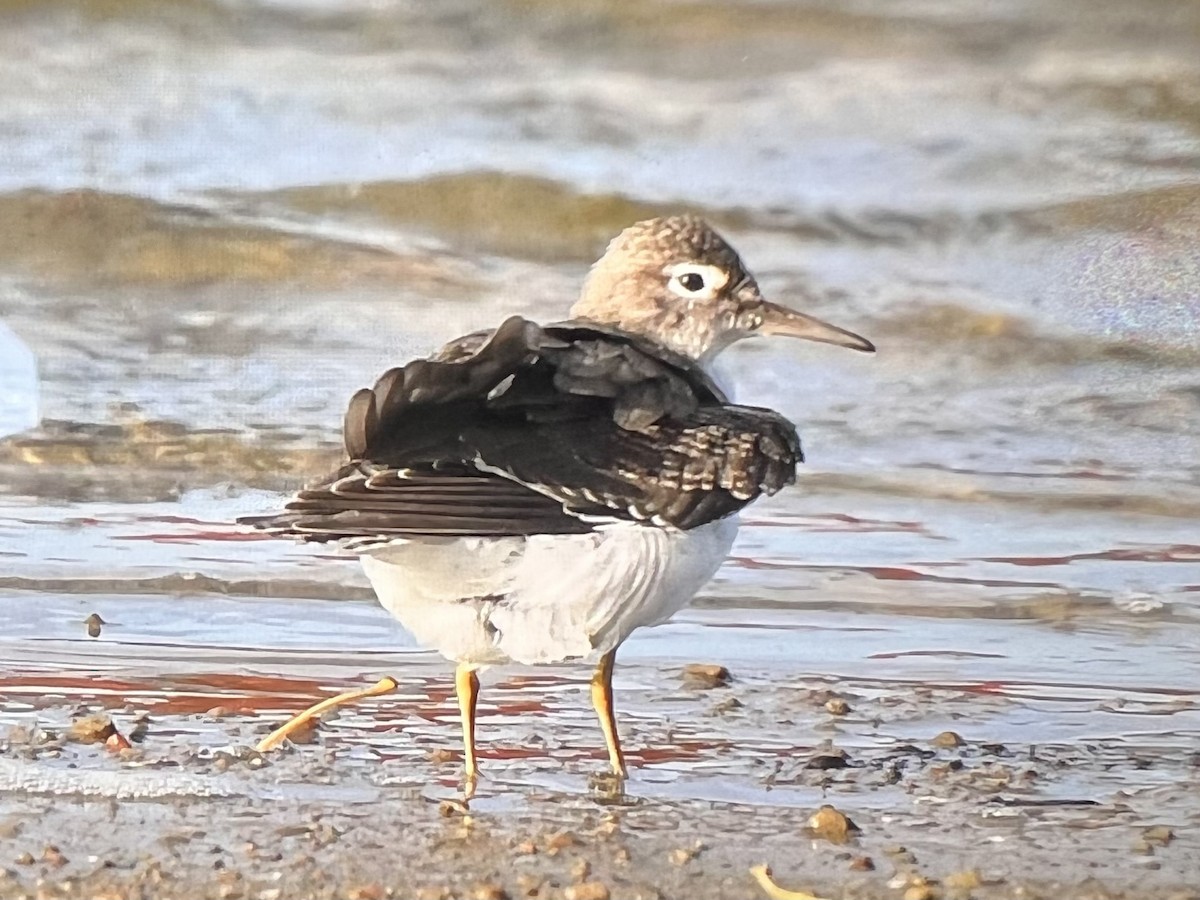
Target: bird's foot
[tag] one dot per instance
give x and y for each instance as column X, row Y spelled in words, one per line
column 608, row 786
column 469, row 783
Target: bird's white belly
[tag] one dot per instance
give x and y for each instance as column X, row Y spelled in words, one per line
column 544, row 598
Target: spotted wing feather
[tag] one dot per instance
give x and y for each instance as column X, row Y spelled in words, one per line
column 542, row 430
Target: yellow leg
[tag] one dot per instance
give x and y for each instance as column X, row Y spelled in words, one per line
column 384, row 686
column 602, row 699
column 466, row 685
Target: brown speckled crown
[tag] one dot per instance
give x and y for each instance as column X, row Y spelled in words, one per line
column 671, row 239
column 627, row 286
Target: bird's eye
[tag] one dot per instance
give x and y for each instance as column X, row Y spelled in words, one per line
column 695, row 281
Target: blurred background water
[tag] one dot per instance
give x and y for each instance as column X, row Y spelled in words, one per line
column 220, row 217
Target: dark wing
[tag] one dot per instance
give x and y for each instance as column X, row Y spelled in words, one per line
column 542, row 430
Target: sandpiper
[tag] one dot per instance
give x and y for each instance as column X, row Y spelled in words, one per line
column 532, row 494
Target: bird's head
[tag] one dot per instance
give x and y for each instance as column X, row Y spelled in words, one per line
column 677, row 281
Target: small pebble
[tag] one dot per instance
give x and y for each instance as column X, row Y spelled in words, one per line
column 705, row 677
column 453, row 807
column 589, row 890
column 681, row 856
column 966, row 880
column 920, row 892
column 831, row 759
column 862, row 864
column 325, row 834
column 1158, row 834
column 729, row 704
column 610, row 826
column 561, row 841
column 488, row 891
column 948, row 739
column 94, row 624
column 91, row 729
column 830, row 824
column 900, row 853
column 837, row 706
column 25, row 859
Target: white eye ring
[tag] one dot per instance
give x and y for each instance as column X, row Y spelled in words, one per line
column 696, row 281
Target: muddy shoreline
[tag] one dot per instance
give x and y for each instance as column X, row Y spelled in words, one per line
column 723, row 779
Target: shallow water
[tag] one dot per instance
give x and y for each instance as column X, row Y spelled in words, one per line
column 217, row 219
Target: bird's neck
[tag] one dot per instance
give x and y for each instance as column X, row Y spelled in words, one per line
column 697, row 338
column 690, row 347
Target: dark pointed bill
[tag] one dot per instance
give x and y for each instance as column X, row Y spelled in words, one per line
column 779, row 320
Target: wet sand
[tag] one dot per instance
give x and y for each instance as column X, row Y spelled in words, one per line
column 723, row 778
